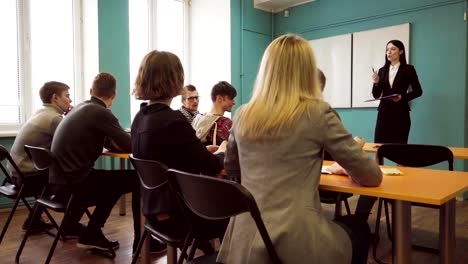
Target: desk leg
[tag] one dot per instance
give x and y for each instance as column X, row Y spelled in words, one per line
column 122, row 198
column 401, row 222
column 447, row 239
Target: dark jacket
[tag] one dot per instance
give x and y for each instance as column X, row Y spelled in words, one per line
column 79, row 139
column 406, row 77
column 162, row 134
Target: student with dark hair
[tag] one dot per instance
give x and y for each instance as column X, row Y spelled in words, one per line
column 190, row 100
column 38, row 131
column 77, row 144
column 213, row 128
column 393, row 119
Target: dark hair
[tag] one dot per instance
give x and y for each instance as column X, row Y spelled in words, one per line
column 160, row 76
column 223, row 89
column 188, row 88
column 104, row 85
column 49, row 89
column 322, row 79
column 400, row 46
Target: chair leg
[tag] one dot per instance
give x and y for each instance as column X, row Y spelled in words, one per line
column 192, row 249
column 338, row 206
column 59, row 232
column 183, row 254
column 10, row 216
column 25, row 237
column 140, row 245
column 348, row 210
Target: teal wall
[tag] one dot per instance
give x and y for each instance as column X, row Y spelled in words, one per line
column 438, row 51
column 114, row 52
column 251, row 32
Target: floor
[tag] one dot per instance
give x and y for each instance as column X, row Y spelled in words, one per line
column 425, row 230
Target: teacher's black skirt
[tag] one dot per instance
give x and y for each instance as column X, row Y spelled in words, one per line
column 392, row 127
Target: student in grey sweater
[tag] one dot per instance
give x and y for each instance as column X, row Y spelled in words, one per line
column 38, row 131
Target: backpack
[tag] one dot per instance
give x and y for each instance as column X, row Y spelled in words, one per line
column 202, row 124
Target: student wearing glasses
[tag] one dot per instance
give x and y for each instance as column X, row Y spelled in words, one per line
column 190, row 100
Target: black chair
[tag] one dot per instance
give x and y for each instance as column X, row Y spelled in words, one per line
column 9, row 190
column 215, row 199
column 410, row 155
column 336, row 198
column 42, row 159
column 152, row 176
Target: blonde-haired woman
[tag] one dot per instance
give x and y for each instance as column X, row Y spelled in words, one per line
column 275, row 149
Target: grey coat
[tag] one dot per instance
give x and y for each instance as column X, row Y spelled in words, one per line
column 283, row 175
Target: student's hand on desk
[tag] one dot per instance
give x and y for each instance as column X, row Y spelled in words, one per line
column 222, row 147
column 212, row 148
column 360, row 141
column 336, row 168
column 396, row 98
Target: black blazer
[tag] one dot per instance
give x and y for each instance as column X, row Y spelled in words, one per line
column 162, row 134
column 405, row 77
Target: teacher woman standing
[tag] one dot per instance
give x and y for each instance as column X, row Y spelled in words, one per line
column 400, row 78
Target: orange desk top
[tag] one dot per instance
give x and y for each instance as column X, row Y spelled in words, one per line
column 105, row 152
column 427, row 186
column 458, row 153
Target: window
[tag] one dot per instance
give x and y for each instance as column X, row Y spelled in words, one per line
column 161, row 25
column 199, row 32
column 47, row 40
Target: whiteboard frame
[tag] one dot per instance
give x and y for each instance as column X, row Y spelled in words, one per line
column 333, row 57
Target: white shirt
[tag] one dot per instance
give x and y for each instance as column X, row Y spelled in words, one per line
column 392, row 73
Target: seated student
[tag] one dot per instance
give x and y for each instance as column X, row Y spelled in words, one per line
column 77, row 144
column 275, row 147
column 213, row 127
column 38, row 131
column 190, row 100
column 162, row 134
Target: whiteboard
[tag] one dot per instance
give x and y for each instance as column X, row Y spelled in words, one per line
column 333, row 56
column 369, row 51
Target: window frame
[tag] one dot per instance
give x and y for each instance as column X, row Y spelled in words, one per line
column 23, row 20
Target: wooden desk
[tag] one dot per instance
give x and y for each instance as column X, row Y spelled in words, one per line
column 437, row 187
column 458, row 153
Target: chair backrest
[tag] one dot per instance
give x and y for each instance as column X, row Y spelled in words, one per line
column 415, row 155
column 5, row 155
column 214, row 199
column 152, row 173
column 40, row 157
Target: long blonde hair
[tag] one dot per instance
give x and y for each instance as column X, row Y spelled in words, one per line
column 286, row 84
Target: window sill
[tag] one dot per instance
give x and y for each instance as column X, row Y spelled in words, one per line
column 8, row 133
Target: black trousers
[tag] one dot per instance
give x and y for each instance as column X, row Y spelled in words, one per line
column 359, row 233
column 33, row 186
column 103, row 188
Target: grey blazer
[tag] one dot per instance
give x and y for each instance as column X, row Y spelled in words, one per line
column 283, row 175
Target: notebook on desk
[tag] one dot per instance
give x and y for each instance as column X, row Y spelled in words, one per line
column 326, row 170
column 391, row 171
